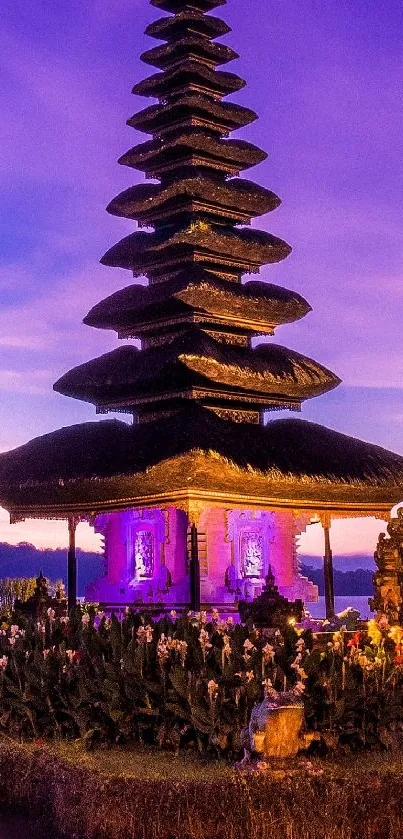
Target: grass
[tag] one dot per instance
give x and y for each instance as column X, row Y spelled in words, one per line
column 140, row 793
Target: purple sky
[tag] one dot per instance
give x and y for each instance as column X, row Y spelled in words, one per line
column 326, row 80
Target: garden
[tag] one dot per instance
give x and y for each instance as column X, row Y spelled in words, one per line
column 102, row 718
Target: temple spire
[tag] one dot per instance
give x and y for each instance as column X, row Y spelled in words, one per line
column 194, row 243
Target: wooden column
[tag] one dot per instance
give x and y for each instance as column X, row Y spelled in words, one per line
column 328, row 572
column 194, row 570
column 72, row 565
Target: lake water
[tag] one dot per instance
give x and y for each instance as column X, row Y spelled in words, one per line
column 317, row 610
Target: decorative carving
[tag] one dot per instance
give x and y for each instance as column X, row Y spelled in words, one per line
column 251, row 550
column 388, row 579
column 144, row 550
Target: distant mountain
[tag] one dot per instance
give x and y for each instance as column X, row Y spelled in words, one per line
column 356, row 583
column 345, row 562
column 24, row 560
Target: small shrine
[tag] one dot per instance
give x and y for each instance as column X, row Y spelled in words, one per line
column 200, row 498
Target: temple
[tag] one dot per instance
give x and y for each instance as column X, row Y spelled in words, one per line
column 199, row 496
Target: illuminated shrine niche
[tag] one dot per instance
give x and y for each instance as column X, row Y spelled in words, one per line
column 144, row 553
column 250, row 533
column 251, row 553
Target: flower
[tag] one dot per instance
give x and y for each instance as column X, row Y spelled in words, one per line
column 249, row 676
column 14, row 630
column 396, row 634
column 149, row 634
column 182, row 648
column 64, row 620
column 162, row 650
column 204, row 641
column 355, row 640
column 300, row 645
column 45, row 653
column 215, row 615
column 51, row 614
column 212, row 688
column 268, row 653
column 85, row 619
column 74, row 656
column 374, row 633
column 3, row 662
column 173, row 614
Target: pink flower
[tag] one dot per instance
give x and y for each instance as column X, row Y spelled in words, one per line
column 3, row 662
column 51, row 614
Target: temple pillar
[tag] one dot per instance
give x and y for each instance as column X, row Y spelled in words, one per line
column 194, row 570
column 328, row 570
column 72, row 564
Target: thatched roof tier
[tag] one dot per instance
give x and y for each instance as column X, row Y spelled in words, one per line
column 195, row 456
column 194, row 361
column 177, row 6
column 190, row 48
column 192, row 76
column 254, row 306
column 243, row 250
column 187, row 22
column 166, row 155
column 236, row 201
column 192, row 110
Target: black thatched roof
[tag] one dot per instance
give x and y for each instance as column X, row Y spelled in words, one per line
column 156, row 119
column 195, row 359
column 189, row 21
column 141, row 251
column 173, row 54
column 201, row 292
column 237, row 196
column 157, row 155
column 194, row 75
column 294, row 447
column 176, row 6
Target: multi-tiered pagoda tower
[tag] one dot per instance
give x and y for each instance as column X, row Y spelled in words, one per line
column 198, row 453
column 196, row 318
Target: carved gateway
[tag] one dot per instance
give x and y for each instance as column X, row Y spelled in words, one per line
column 388, row 579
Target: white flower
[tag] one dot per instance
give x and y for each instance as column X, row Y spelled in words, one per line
column 3, row 662
column 149, row 634
column 212, row 688
column 162, row 649
column 51, row 614
column 247, row 645
column 173, row 613
column 14, row 629
column 268, row 652
column 249, row 676
column 182, row 649
column 85, row 619
column 204, row 641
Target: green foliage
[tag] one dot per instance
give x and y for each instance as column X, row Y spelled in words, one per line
column 190, row 681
